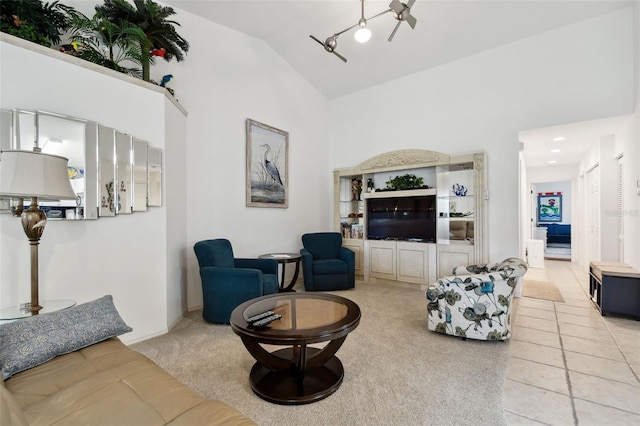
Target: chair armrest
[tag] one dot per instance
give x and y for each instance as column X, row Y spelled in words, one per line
column 307, row 268
column 472, row 269
column 349, row 257
column 267, row 266
column 508, row 268
column 218, row 278
column 513, row 267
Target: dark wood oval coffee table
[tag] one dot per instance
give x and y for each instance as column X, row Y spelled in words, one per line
column 297, row 374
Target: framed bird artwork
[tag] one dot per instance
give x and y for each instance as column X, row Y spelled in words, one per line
column 267, row 166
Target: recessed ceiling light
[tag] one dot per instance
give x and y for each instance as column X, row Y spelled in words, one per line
column 555, row 150
column 559, row 139
column 552, row 161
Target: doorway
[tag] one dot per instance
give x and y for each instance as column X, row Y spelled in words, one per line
column 551, row 217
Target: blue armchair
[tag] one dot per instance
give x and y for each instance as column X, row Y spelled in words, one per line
column 326, row 265
column 228, row 282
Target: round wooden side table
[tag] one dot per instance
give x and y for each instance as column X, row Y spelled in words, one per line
column 283, row 259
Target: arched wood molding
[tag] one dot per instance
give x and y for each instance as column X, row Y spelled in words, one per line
column 401, row 160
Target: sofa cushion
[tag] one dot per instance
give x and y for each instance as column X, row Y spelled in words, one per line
column 32, row 341
column 10, row 412
column 111, row 384
column 329, row 266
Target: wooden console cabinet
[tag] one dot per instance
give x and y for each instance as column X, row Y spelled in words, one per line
column 615, row 288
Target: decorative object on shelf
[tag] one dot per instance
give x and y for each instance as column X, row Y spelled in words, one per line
column 110, row 203
column 36, row 21
column 370, row 187
column 74, row 48
column 459, row 190
column 72, row 171
column 354, row 189
column 359, row 190
column 454, row 214
column 32, row 174
column 151, row 18
column 165, row 80
column 267, row 175
column 401, row 12
column 108, row 44
column 352, row 230
column 550, row 207
column 408, row 181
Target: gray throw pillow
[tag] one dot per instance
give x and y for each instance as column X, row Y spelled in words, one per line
column 32, row 341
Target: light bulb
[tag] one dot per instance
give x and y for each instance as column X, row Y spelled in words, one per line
column 362, row 35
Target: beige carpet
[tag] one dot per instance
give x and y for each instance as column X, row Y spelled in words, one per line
column 541, row 290
column 396, row 371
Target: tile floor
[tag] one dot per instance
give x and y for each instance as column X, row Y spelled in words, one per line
column 568, row 365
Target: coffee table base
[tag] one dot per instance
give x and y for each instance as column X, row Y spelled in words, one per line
column 295, row 387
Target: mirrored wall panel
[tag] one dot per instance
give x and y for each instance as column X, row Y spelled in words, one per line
column 123, row 173
column 110, row 171
column 140, row 179
column 106, row 171
column 65, row 136
column 6, row 132
column 90, row 201
column 6, row 129
column 155, row 177
column 24, row 128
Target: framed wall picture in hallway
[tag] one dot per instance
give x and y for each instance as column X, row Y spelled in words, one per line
column 550, row 207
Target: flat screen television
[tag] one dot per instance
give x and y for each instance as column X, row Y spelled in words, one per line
column 402, row 218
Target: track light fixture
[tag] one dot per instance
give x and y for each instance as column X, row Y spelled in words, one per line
column 362, row 34
column 401, row 12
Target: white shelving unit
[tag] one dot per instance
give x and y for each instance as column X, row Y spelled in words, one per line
column 459, row 186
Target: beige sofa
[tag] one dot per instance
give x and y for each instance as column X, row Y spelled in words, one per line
column 107, row 384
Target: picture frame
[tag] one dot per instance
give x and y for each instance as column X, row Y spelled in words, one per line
column 549, row 208
column 267, row 165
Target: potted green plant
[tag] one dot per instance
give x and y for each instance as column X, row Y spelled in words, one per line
column 407, row 181
column 109, row 44
column 34, row 21
column 161, row 38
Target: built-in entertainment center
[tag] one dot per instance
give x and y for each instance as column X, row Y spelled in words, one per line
column 413, row 235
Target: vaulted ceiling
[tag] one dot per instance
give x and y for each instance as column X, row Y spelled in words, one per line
column 446, row 30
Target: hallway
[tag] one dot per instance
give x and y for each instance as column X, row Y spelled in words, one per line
column 568, row 365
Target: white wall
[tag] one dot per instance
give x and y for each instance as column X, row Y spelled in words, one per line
column 227, row 78
column 175, row 194
column 631, row 136
column 576, row 73
column 627, row 143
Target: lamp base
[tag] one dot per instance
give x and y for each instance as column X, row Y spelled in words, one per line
column 24, row 310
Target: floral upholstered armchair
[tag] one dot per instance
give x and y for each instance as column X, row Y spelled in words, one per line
column 475, row 302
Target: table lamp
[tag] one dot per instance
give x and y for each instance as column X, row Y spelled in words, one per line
column 35, row 175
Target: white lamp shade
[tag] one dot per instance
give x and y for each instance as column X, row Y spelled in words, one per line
column 25, row 174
